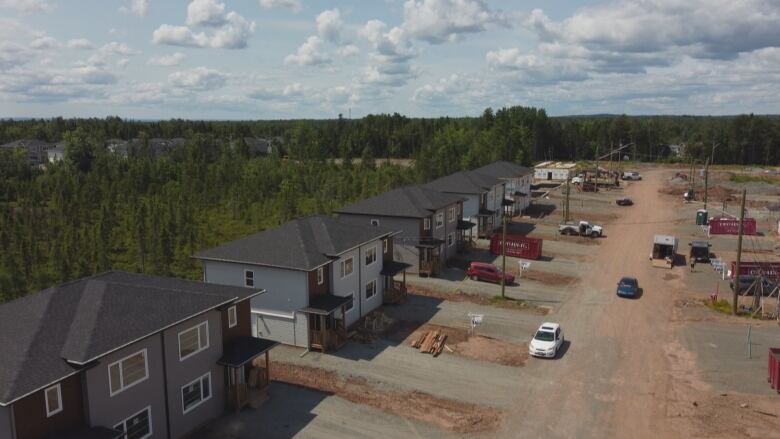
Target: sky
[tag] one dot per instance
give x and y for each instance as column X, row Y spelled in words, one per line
column 283, row 59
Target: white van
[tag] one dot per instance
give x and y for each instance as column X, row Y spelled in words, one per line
column 631, row 175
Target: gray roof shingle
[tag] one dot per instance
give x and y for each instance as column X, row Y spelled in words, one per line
column 409, row 201
column 46, row 335
column 503, row 169
column 301, row 244
column 464, row 182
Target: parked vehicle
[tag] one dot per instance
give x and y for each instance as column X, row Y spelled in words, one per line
column 632, row 175
column 628, row 287
column 547, row 341
column 767, row 269
column 488, row 272
column 681, row 175
column 624, row 202
column 664, row 251
column 517, row 246
column 583, row 228
column 577, row 180
column 700, row 251
column 586, row 187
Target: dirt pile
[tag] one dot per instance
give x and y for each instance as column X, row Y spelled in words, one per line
column 478, row 347
column 451, row 415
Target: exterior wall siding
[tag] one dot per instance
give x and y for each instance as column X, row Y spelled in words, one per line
column 31, row 421
column 106, row 410
column 243, row 326
column 369, row 273
column 6, row 424
column 181, row 372
column 349, row 284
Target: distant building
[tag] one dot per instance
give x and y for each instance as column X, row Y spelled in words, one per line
column 259, row 145
column 554, row 171
column 57, row 153
column 35, row 149
column 677, row 150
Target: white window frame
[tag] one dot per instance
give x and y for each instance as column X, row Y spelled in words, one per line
column 201, row 348
column 439, row 220
column 384, row 246
column 375, row 289
column 343, row 267
column 451, row 212
column 374, row 248
column 450, row 240
column 147, row 409
column 320, row 275
column 122, row 386
column 202, row 400
column 426, row 224
column 351, row 302
column 232, row 317
column 247, row 278
column 59, row 400
column 374, row 222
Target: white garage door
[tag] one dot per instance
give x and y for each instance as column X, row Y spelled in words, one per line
column 282, row 328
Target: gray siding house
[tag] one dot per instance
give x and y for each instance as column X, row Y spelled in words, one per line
column 36, row 150
column 430, row 224
column 126, row 355
column 321, row 276
column 518, row 183
column 484, row 198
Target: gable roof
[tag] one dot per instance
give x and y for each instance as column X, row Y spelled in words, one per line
column 27, row 143
column 409, row 201
column 464, row 182
column 47, row 336
column 504, row 169
column 301, row 244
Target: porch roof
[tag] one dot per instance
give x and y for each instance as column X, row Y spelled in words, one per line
column 391, row 268
column 326, row 304
column 242, row 350
column 507, row 202
column 486, row 212
column 465, row 225
column 90, row 433
column 429, row 243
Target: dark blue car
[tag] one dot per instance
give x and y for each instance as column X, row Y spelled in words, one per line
column 628, row 287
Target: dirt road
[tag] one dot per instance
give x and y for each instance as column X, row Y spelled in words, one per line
column 616, row 376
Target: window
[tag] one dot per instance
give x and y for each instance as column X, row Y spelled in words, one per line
column 193, row 340
column 452, row 215
column 249, row 278
column 127, row 372
column 457, row 209
column 320, row 275
column 195, row 393
column 53, row 400
column 374, row 222
column 138, row 426
column 427, row 224
column 439, row 219
column 351, row 302
column 384, row 245
column 370, row 256
column 232, row 317
column 346, row 267
column 370, row 289
column 450, row 239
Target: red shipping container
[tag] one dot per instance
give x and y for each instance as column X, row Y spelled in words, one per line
column 517, row 246
column 766, row 269
column 774, row 368
column 730, row 226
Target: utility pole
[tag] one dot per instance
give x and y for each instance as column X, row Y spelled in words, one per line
column 566, row 202
column 739, row 252
column 503, row 257
column 706, row 181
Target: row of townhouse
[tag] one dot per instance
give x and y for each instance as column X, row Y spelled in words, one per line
column 121, row 355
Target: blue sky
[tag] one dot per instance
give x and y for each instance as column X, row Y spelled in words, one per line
column 279, row 59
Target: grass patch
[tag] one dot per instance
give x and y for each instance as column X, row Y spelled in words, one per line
column 724, row 306
column 745, row 178
column 507, row 302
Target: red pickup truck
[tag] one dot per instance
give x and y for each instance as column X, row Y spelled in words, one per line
column 488, row 272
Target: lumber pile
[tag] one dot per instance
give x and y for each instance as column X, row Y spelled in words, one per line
column 430, row 342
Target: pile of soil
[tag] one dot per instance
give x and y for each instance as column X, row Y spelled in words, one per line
column 548, row 278
column 478, row 347
column 448, row 414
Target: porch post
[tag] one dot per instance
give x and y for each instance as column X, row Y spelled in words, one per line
column 267, row 371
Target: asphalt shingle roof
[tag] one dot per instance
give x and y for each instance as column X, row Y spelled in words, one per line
column 80, row 321
column 409, row 201
column 464, row 182
column 503, row 169
column 27, row 143
column 301, row 244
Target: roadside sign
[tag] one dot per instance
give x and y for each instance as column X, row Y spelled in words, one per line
column 475, row 320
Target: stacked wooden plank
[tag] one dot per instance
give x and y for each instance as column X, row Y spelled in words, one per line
column 430, row 342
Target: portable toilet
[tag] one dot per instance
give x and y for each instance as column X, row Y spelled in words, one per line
column 701, row 217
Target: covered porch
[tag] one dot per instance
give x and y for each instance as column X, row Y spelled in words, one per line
column 485, row 223
column 430, row 253
column 327, row 330
column 246, row 371
column 465, row 236
column 395, row 290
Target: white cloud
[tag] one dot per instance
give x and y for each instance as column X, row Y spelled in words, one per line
column 43, row 43
column 199, row 78
column 348, row 50
column 285, row 93
column 12, row 55
column 80, row 44
column 329, row 25
column 122, row 63
column 536, row 68
column 232, row 31
column 137, row 7
column 293, row 5
column 437, row 21
column 206, row 13
column 27, row 6
column 390, row 57
column 116, row 48
column 173, row 59
column 309, row 53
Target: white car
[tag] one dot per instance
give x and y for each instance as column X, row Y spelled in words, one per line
column 547, row 341
column 577, row 180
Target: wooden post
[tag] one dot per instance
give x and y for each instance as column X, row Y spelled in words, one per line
column 503, row 259
column 739, row 252
column 706, row 181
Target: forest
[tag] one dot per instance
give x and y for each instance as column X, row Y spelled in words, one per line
column 96, row 211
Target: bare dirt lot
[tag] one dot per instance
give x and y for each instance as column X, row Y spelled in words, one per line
column 478, row 347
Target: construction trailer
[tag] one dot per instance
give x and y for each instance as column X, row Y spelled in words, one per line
column 664, row 251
